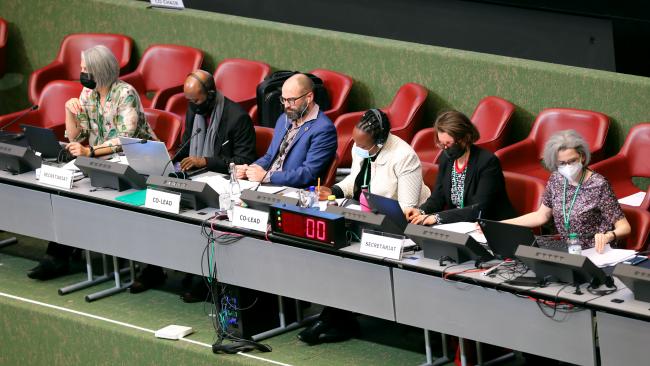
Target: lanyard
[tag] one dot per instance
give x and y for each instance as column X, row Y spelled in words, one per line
column 566, row 215
column 365, row 176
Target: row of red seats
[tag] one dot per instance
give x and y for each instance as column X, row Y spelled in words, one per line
column 163, row 68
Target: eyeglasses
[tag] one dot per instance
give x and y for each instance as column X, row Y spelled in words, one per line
column 569, row 162
column 445, row 145
column 291, row 101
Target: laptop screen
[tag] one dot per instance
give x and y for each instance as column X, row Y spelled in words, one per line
column 391, row 209
column 503, row 239
column 148, row 158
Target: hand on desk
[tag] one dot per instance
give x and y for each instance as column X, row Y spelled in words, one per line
column 601, row 239
column 324, row 193
column 193, row 162
column 255, row 173
column 410, row 213
column 78, row 149
column 240, row 171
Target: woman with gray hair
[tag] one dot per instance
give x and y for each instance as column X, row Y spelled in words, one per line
column 579, row 200
column 107, row 108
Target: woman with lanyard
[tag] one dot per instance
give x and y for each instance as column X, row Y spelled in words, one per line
column 578, row 200
column 470, row 182
column 385, row 165
column 106, row 110
column 382, row 163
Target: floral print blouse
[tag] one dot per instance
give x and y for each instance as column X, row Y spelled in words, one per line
column 595, row 209
column 121, row 116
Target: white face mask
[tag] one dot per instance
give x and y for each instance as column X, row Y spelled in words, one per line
column 571, row 171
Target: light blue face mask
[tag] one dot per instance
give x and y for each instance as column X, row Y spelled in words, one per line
column 364, row 154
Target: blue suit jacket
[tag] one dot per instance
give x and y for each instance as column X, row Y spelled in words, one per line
column 308, row 157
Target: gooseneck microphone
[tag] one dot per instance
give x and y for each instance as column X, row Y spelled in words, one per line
column 141, row 141
column 18, row 118
column 198, row 130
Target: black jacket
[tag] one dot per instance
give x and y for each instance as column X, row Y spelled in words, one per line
column 235, row 140
column 485, row 190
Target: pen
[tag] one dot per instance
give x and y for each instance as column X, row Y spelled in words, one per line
column 224, row 144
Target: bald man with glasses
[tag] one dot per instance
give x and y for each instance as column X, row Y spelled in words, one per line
column 304, row 141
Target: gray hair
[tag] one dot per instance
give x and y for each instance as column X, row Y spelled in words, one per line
column 102, row 64
column 563, row 140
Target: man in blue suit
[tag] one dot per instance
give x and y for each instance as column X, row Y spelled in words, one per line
column 304, row 141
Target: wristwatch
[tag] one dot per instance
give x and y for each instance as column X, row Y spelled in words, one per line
column 92, row 151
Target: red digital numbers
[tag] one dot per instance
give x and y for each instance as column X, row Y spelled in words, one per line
column 304, row 227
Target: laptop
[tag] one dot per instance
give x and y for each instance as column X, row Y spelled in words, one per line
column 148, row 158
column 503, row 239
column 45, row 142
column 391, row 208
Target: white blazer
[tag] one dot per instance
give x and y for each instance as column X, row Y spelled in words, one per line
column 396, row 174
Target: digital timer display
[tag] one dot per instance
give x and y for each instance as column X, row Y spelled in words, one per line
column 312, row 226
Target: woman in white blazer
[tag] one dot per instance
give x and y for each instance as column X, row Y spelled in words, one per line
column 383, row 163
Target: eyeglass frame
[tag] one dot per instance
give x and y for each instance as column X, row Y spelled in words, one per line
column 292, row 101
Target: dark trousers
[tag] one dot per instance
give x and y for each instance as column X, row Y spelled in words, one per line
column 59, row 251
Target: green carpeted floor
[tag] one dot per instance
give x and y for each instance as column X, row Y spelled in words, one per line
column 34, row 334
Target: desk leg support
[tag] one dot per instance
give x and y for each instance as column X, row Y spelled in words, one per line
column 495, row 361
column 91, row 280
column 283, row 328
column 8, row 242
column 427, row 349
column 119, row 286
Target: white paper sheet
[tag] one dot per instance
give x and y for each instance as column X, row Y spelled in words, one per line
column 270, row 189
column 71, row 166
column 609, row 256
column 633, row 200
column 464, row 227
column 222, row 185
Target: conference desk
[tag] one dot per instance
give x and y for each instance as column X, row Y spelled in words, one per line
column 92, row 219
column 410, row 291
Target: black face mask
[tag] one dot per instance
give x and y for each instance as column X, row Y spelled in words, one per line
column 203, row 108
column 454, row 152
column 87, row 80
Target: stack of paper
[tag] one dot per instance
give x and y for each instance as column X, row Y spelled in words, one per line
column 633, row 200
column 609, row 256
column 222, row 185
column 463, row 227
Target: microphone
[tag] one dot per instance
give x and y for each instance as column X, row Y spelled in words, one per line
column 141, row 141
column 18, row 118
column 198, row 130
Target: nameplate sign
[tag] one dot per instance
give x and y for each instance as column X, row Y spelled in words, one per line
column 163, row 201
column 57, row 177
column 381, row 246
column 170, row 4
column 250, row 219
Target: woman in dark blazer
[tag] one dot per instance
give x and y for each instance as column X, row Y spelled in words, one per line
column 470, row 181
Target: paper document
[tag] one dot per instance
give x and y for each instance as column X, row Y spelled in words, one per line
column 323, row 204
column 633, row 200
column 464, row 227
column 221, row 185
column 70, row 166
column 270, row 189
column 609, row 256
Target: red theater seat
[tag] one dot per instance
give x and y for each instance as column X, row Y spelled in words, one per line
column 429, row 174
column 639, row 220
column 492, row 119
column 525, row 156
column 424, row 144
column 165, row 125
column 330, row 175
column 525, row 193
column 628, row 163
column 344, row 126
column 338, row 88
column 263, row 138
column 51, row 108
column 162, row 72
column 405, row 111
column 66, row 65
column 4, row 32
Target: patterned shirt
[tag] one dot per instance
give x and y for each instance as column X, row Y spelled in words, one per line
column 288, row 140
column 595, row 209
column 458, row 184
column 121, row 116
